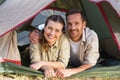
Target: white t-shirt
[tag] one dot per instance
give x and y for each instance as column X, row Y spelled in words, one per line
column 74, row 52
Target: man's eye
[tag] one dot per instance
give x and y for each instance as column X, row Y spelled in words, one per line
column 69, row 24
column 57, row 30
column 76, row 23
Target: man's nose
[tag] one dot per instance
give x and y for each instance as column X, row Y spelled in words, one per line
column 73, row 27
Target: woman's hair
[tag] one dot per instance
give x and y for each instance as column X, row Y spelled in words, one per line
column 55, row 18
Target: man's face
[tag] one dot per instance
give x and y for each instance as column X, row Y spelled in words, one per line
column 75, row 26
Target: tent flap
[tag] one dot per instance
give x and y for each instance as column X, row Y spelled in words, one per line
column 15, row 12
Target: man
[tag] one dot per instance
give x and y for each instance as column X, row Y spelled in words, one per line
column 83, row 42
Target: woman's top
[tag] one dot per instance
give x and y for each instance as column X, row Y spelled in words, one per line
column 60, row 51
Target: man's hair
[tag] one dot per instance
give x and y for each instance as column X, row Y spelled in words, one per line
column 74, row 11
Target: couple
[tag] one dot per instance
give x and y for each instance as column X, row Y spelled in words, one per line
column 51, row 53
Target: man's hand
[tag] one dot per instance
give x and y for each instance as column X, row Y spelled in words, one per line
column 63, row 73
column 68, row 72
column 34, row 36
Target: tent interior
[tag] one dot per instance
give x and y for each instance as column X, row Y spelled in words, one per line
column 107, row 26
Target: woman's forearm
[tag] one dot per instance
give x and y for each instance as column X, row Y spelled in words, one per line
column 55, row 65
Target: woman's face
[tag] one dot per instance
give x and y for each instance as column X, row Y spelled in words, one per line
column 52, row 32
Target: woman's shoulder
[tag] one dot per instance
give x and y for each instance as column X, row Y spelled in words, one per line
column 64, row 37
column 63, row 41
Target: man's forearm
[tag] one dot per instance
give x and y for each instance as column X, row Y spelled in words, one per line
column 80, row 68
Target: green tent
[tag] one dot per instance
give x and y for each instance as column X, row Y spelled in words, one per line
column 101, row 17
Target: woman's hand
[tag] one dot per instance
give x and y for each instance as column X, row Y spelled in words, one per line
column 36, row 66
column 48, row 71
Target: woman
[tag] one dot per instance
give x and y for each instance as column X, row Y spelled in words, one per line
column 53, row 50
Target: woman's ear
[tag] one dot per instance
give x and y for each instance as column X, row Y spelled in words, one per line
column 44, row 28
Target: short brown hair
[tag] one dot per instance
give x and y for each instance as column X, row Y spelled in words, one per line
column 74, row 11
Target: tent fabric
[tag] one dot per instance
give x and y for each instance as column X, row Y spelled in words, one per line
column 114, row 24
column 43, row 15
column 1, row 1
column 103, row 72
column 114, row 3
column 112, row 19
column 7, row 67
column 14, row 13
column 111, row 72
column 67, row 5
column 8, row 47
column 23, row 38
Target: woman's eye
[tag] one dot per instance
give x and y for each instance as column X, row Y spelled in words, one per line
column 49, row 28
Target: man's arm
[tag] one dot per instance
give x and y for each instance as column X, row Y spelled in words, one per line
column 68, row 72
column 34, row 36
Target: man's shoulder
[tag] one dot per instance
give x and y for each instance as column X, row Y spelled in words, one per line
column 90, row 34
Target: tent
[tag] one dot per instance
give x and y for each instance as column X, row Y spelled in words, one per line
column 103, row 16
column 24, row 73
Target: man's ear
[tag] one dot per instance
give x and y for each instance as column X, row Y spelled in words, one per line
column 84, row 24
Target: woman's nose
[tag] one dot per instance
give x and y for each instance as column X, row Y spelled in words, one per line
column 52, row 32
